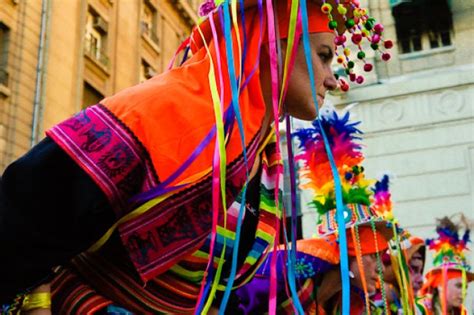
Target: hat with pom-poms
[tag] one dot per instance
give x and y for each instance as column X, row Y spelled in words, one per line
column 449, row 256
column 364, row 199
column 449, row 248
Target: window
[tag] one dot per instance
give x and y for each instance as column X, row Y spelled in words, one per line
column 4, row 43
column 96, row 38
column 149, row 22
column 90, row 96
column 146, row 71
column 421, row 24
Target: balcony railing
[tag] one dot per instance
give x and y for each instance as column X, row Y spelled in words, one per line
column 91, row 50
column 150, row 32
column 4, row 76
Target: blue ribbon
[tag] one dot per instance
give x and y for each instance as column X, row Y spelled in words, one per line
column 337, row 182
column 292, row 254
column 235, row 96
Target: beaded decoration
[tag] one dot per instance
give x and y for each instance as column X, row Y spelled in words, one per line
column 359, row 25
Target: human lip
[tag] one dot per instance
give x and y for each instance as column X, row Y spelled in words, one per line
column 320, row 99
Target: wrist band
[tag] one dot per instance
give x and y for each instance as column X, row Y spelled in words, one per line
column 36, row 300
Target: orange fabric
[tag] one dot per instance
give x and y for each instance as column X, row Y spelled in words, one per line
column 323, row 248
column 172, row 113
column 318, row 22
column 437, row 278
column 434, row 279
column 327, row 247
column 368, row 245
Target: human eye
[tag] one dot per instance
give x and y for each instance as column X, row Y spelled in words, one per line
column 325, row 54
column 326, row 57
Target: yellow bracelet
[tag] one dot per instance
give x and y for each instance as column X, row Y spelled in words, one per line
column 36, row 300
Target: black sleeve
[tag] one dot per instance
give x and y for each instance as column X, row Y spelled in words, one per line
column 50, row 210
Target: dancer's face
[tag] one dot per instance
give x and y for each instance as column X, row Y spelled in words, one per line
column 388, row 274
column 454, row 292
column 369, row 263
column 416, row 271
column 299, row 100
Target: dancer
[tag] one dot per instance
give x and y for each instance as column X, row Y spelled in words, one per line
column 165, row 196
column 446, row 283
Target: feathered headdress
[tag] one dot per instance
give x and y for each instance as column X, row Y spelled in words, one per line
column 449, row 259
column 382, row 197
column 367, row 203
column 449, row 248
column 364, row 199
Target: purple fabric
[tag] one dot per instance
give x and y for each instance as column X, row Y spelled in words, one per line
column 253, row 296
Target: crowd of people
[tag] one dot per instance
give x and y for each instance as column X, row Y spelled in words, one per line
column 166, row 198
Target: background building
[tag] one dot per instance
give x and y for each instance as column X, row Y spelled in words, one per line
column 57, row 56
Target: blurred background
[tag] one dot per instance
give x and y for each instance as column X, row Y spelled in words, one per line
column 417, row 111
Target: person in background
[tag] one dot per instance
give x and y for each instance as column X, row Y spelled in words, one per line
column 401, row 273
column 446, row 283
column 318, row 260
column 416, row 262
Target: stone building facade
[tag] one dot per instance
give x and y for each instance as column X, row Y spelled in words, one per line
column 57, row 56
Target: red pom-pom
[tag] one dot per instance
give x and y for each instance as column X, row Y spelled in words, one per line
column 375, row 38
column 388, row 44
column 378, row 28
column 356, row 38
column 339, row 40
column 360, row 79
column 343, row 85
column 386, row 56
column 368, row 67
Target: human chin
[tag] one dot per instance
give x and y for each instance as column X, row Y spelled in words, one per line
column 304, row 112
column 371, row 286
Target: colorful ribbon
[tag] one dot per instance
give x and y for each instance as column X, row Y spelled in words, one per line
column 337, row 182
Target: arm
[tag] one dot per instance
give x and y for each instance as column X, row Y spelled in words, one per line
column 50, row 210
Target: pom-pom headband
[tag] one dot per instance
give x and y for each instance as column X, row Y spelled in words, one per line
column 359, row 26
column 343, row 17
